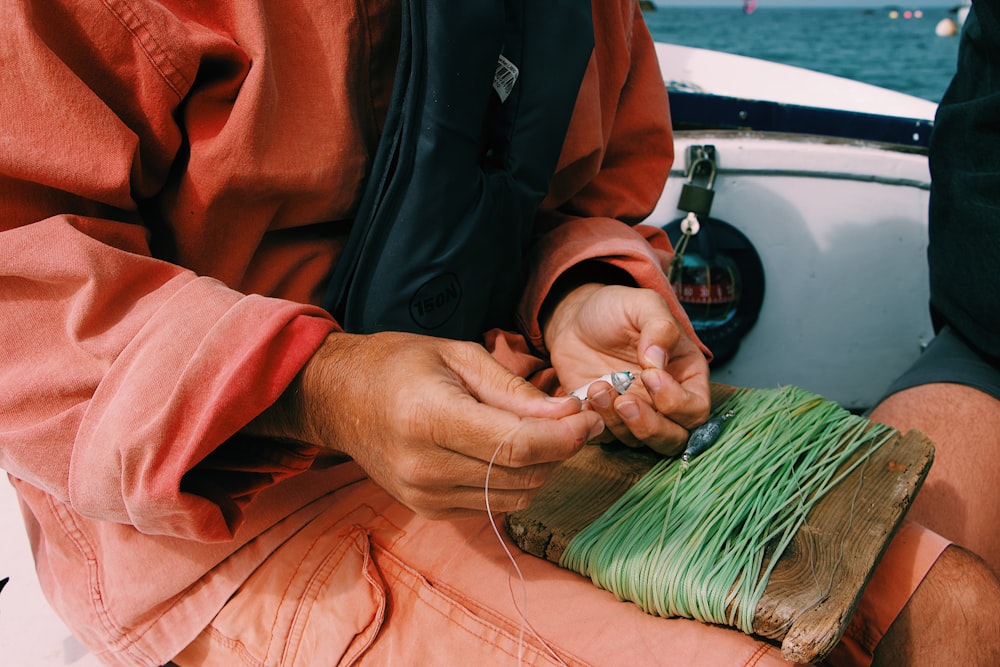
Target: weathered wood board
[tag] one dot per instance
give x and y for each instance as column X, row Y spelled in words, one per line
column 818, row 581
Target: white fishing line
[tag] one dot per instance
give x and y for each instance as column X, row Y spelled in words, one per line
column 521, row 608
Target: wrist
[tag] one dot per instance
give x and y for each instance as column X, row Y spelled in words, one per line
column 285, row 418
column 292, row 415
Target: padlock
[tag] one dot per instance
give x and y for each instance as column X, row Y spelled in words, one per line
column 695, row 198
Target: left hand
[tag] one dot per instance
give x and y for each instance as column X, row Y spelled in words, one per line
column 597, row 329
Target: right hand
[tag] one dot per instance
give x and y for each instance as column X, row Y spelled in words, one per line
column 424, row 416
column 598, row 328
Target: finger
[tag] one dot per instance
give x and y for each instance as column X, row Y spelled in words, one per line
column 687, row 404
column 508, row 489
column 474, row 429
column 493, row 384
column 658, row 336
column 601, row 399
column 502, row 500
column 471, row 501
column 646, row 426
column 527, row 478
column 537, row 441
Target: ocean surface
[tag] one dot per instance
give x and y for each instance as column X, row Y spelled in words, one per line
column 867, row 45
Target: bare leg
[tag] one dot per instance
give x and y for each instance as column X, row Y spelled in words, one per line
column 961, row 498
column 953, row 618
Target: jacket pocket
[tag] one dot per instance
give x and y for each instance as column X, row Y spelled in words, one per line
column 318, row 600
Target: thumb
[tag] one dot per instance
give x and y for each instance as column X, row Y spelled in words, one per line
column 657, row 336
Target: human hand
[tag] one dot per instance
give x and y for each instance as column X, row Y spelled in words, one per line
column 424, row 416
column 597, row 329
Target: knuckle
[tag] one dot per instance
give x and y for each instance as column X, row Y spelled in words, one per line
column 626, row 437
column 522, row 500
column 671, row 443
column 696, row 417
column 506, row 454
column 420, row 472
column 465, row 352
column 645, row 426
column 536, row 476
column 516, row 384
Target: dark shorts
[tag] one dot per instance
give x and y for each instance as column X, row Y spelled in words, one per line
column 950, row 359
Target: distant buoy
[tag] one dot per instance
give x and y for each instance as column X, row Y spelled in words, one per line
column 893, row 14
column 946, row 28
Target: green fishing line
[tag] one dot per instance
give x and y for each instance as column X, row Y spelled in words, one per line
column 692, row 541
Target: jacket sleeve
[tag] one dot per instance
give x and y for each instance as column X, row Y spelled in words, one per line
column 613, row 166
column 122, row 376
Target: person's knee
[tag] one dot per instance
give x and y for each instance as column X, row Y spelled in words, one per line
column 954, row 615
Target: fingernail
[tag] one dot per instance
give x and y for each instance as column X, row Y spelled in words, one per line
column 628, row 410
column 656, row 356
column 603, row 400
column 596, row 430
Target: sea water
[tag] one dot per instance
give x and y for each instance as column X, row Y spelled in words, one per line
column 867, row 45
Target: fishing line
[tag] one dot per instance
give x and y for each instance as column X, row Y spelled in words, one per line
column 620, row 382
column 694, row 544
column 824, row 593
column 522, row 608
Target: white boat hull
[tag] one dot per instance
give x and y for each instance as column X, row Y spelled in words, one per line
column 838, row 219
column 717, row 73
column 841, row 230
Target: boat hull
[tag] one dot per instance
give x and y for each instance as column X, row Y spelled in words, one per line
column 840, row 228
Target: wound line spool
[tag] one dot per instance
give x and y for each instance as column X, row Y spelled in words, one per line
column 737, row 507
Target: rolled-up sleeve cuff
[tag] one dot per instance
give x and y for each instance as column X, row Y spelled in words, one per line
column 643, row 252
column 207, row 362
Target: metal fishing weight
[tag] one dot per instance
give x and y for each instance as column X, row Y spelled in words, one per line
column 704, row 436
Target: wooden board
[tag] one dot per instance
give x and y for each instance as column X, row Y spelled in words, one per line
column 818, row 581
